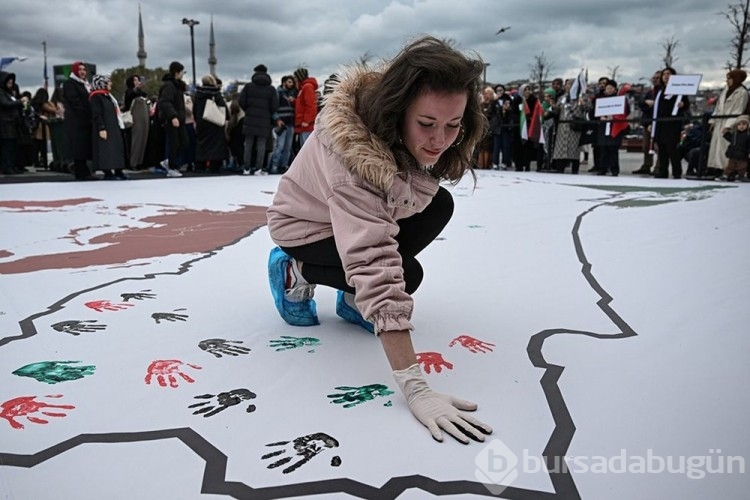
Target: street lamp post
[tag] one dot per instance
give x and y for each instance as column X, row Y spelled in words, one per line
column 191, row 23
column 485, row 73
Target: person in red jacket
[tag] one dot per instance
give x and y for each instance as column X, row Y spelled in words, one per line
column 306, row 105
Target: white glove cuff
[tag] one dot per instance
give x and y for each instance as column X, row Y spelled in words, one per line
column 411, row 381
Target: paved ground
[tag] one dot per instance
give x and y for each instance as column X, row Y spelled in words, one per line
column 628, row 163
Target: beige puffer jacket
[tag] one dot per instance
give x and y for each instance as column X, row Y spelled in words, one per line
column 345, row 183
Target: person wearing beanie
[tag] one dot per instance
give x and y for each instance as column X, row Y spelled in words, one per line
column 260, row 102
column 738, row 150
column 285, row 134
column 733, row 100
column 306, row 105
column 77, row 120
column 172, row 115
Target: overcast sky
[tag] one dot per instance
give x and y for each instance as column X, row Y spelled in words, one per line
column 324, row 34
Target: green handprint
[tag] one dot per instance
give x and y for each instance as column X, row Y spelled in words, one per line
column 52, row 372
column 357, row 395
column 286, row 342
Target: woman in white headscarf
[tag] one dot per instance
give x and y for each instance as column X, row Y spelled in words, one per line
column 109, row 151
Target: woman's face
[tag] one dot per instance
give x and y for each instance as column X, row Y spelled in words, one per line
column 665, row 76
column 432, row 123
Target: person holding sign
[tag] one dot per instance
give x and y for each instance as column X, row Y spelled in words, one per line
column 611, row 131
column 669, row 111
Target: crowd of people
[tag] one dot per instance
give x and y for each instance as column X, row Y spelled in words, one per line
column 556, row 128
column 260, row 128
column 264, row 126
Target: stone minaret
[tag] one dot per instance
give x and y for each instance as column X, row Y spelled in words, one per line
column 141, row 45
column 212, row 50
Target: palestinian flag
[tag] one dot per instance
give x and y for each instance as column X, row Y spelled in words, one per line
column 531, row 130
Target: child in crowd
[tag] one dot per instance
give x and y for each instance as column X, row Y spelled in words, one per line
column 738, row 150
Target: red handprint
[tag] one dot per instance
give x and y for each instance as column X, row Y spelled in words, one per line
column 168, row 367
column 23, row 406
column 430, row 360
column 105, row 305
column 472, row 344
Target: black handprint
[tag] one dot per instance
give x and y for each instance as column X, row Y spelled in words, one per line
column 158, row 317
column 77, row 327
column 138, row 296
column 223, row 401
column 305, row 447
column 217, row 347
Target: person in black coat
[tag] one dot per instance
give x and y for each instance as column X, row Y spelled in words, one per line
column 77, row 120
column 108, row 151
column 10, row 122
column 212, row 148
column 668, row 110
column 260, row 102
column 172, row 115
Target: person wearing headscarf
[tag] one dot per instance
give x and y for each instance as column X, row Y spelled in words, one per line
column 77, row 121
column 732, row 101
column 10, row 119
column 108, row 150
column 136, row 101
column 211, row 143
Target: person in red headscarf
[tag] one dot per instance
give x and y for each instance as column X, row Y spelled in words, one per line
column 732, row 101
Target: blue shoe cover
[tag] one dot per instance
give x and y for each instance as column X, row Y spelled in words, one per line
column 295, row 313
column 345, row 311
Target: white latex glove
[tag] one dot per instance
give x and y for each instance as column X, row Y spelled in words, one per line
column 439, row 411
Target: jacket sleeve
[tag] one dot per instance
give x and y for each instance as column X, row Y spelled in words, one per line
column 365, row 236
column 167, row 110
column 310, row 104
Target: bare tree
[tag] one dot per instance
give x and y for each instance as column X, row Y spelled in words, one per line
column 737, row 15
column 540, row 70
column 613, row 72
column 669, row 45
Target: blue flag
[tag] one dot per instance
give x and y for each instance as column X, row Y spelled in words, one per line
column 5, row 61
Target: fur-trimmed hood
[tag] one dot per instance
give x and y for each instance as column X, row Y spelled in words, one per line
column 342, row 130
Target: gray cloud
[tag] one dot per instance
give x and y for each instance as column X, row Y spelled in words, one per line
column 325, row 34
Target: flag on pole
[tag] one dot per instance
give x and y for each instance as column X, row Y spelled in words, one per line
column 579, row 86
column 5, row 61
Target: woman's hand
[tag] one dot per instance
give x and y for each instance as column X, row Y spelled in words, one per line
column 103, row 135
column 439, row 412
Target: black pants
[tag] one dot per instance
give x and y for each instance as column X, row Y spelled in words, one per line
column 322, row 263
column 669, row 152
column 177, row 142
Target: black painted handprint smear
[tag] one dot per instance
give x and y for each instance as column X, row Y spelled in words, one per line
column 142, row 295
column 223, row 400
column 77, row 327
column 170, row 316
column 305, row 448
column 219, row 347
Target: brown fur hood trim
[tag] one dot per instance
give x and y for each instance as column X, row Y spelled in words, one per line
column 344, row 133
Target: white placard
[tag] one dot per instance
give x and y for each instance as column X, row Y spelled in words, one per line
column 683, row 84
column 608, row 106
